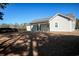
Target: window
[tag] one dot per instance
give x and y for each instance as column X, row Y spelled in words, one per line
column 56, row 24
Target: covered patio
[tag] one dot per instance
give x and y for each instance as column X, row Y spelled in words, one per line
column 41, row 26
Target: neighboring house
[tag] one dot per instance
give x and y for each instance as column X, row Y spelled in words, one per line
column 59, row 22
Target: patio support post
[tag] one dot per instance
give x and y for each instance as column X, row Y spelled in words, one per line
column 39, row 27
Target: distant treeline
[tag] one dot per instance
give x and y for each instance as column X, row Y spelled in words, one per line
column 19, row 27
column 77, row 24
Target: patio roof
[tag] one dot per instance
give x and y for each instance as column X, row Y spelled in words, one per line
column 42, row 20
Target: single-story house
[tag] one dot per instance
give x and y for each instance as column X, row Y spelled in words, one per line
column 58, row 22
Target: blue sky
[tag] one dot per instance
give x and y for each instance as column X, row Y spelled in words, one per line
column 26, row 12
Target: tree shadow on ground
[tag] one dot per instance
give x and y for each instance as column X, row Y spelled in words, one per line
column 46, row 45
column 59, row 45
column 13, row 47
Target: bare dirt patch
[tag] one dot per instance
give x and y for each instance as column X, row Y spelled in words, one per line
column 39, row 43
column 65, row 33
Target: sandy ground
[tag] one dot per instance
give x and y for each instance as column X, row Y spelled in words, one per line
column 40, row 43
column 65, row 33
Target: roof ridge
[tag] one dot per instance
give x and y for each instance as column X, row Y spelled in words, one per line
column 66, row 16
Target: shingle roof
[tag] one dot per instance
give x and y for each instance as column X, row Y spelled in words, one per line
column 41, row 20
column 47, row 19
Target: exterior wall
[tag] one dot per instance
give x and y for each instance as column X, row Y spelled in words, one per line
column 63, row 24
column 28, row 28
column 73, row 25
